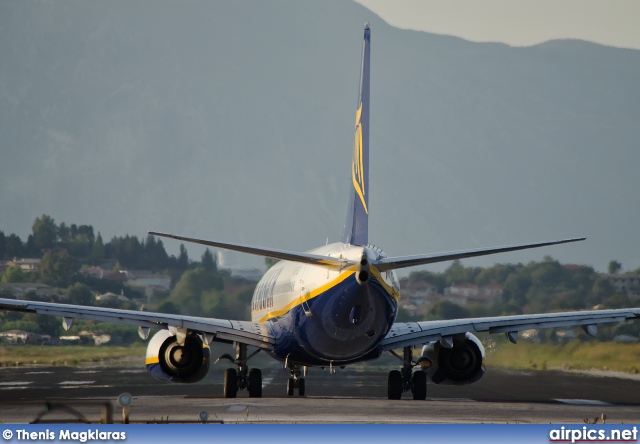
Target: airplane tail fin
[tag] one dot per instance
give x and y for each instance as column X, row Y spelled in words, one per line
column 356, row 229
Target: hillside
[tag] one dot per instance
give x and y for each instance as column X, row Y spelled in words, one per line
column 234, row 120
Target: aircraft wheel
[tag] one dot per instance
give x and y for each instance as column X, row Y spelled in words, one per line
column 394, row 385
column 291, row 385
column 255, row 383
column 419, row 385
column 301, row 387
column 230, row 383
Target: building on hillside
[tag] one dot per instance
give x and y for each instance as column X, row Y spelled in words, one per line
column 24, row 337
column 492, row 290
column 93, row 272
column 467, row 293
column 147, row 282
column 112, row 296
column 250, row 274
column 101, row 273
column 19, row 289
column 467, row 290
column 626, row 283
column 27, row 265
column 92, row 337
column 228, row 260
column 417, row 288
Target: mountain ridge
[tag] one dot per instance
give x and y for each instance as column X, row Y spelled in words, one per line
column 234, row 122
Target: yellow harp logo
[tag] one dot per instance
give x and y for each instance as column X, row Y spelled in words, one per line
column 357, row 166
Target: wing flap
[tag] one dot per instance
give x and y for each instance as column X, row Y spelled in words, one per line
column 413, row 333
column 223, row 330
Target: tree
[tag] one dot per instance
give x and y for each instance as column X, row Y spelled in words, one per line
column 14, row 274
column 189, row 291
column 57, row 268
column 168, row 307
column 64, row 232
column 79, row 294
column 3, row 242
column 614, row 267
column 208, row 262
column 45, row 232
column 98, row 250
column 126, row 250
column 85, row 233
column 183, row 259
column 13, row 246
column 405, row 316
column 155, row 256
column 447, row 310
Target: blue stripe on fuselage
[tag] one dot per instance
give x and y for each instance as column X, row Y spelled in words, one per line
column 323, row 330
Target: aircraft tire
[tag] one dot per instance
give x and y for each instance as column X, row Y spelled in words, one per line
column 291, row 385
column 394, row 385
column 230, row 383
column 301, row 388
column 255, row 383
column 419, row 385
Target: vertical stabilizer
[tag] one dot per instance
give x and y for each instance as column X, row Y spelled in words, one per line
column 356, row 229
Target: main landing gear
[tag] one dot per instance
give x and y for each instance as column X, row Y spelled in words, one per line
column 242, row 378
column 295, row 381
column 403, row 380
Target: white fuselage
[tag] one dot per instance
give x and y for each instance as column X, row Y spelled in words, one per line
column 321, row 314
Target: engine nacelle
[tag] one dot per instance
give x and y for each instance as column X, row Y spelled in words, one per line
column 169, row 361
column 460, row 365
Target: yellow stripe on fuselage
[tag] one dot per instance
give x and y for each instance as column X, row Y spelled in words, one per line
column 376, row 273
column 307, row 296
column 318, row 291
column 153, row 360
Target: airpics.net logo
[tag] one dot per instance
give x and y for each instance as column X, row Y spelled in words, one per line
column 586, row 434
column 64, row 435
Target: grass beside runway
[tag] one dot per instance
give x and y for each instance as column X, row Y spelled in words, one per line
column 575, row 355
column 72, row 355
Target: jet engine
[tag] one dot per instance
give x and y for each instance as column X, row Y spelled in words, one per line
column 169, row 361
column 461, row 364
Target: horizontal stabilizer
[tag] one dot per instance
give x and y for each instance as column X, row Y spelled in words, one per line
column 314, row 259
column 393, row 263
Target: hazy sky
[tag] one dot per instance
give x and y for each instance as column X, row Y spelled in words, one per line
column 518, row 22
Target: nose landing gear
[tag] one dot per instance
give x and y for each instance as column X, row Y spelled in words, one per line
column 404, row 380
column 295, row 381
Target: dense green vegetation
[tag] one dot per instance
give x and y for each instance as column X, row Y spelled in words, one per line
column 536, row 287
column 198, row 287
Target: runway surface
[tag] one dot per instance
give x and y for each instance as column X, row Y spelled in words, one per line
column 351, row 395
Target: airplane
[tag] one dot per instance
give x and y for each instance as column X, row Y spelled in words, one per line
column 332, row 306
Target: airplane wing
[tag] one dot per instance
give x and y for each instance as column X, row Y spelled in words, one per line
column 292, row 256
column 393, row 263
column 218, row 330
column 404, row 334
